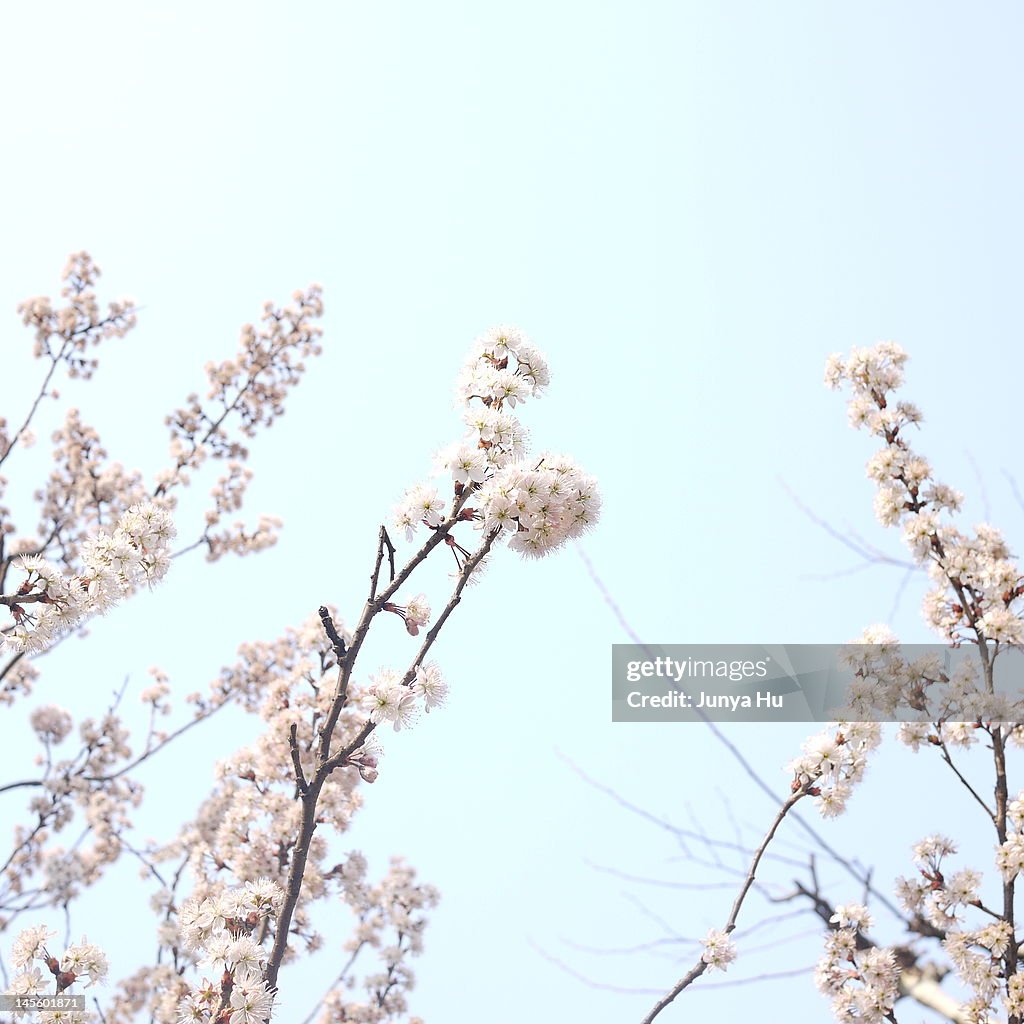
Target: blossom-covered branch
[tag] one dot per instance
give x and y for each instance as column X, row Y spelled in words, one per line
column 976, row 599
column 255, row 859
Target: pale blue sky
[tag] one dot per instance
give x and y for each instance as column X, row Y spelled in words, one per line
column 688, row 206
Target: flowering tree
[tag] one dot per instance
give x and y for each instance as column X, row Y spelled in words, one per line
column 238, row 885
column 959, row 946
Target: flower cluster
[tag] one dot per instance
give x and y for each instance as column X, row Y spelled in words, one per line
column 833, row 762
column 227, row 929
column 252, row 811
column 976, row 955
column 388, row 699
column 50, row 723
column 239, row 881
column 228, row 495
column 719, row 950
column 251, row 387
column 82, row 963
column 503, row 369
column 939, row 900
column 976, row 600
column 86, row 781
column 1010, row 854
column 415, row 614
column 940, row 700
column 391, row 920
column 84, row 494
column 539, row 506
column 978, row 585
column 542, row 508
column 63, row 334
column 114, row 565
column 862, row 979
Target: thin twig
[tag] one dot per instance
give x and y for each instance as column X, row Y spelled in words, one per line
column 737, row 754
column 730, row 925
column 956, row 771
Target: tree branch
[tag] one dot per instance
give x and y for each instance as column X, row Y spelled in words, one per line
column 700, row 967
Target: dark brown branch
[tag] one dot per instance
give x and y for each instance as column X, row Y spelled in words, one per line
column 383, row 541
column 300, row 779
column 470, row 566
column 340, row 758
column 370, row 609
column 326, row 762
column 337, row 641
column 14, row 599
column 20, row 785
column 10, row 665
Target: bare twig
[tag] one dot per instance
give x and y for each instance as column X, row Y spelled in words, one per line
column 661, row 882
column 851, row 540
column 857, row 873
column 43, row 388
column 334, row 984
column 383, row 541
column 947, row 757
column 730, row 925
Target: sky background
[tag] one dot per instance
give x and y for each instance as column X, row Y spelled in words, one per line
column 687, row 206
